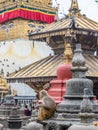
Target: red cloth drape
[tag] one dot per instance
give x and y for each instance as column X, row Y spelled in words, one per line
column 27, row 14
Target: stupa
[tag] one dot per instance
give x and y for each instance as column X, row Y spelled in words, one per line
column 17, row 19
column 86, row 115
column 76, row 85
column 58, row 86
column 67, row 111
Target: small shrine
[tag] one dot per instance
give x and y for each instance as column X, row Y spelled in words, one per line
column 86, row 115
column 58, row 86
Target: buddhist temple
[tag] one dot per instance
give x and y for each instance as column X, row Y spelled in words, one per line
column 17, row 15
column 17, row 19
column 74, row 28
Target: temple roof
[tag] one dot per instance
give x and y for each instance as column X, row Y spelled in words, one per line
column 81, row 22
column 57, row 28
column 45, row 69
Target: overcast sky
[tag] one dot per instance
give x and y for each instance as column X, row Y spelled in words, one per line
column 88, row 7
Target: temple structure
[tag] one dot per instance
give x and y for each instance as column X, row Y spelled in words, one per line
column 74, row 28
column 17, row 19
column 58, row 86
column 78, row 100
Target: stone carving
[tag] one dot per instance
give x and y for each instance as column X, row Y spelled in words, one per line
column 52, row 126
column 75, row 86
column 86, row 105
column 14, row 120
column 86, row 115
column 78, row 59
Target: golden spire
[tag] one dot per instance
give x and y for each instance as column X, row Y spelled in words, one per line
column 68, row 54
column 74, row 9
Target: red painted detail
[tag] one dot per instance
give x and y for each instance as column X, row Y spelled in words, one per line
column 63, row 71
column 27, row 14
column 58, row 86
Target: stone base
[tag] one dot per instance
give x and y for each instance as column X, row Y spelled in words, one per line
column 15, row 125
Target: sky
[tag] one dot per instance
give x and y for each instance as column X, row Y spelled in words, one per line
column 87, row 7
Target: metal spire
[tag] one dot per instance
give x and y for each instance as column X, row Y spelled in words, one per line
column 74, row 9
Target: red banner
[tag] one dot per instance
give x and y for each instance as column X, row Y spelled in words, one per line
column 27, row 14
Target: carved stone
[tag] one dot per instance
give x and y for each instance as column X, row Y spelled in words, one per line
column 67, row 111
column 14, row 121
column 76, row 85
column 86, row 115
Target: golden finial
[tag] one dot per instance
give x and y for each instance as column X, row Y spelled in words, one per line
column 74, row 9
column 68, row 54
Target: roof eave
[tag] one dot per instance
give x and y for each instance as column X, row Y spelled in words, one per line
column 30, row 79
column 40, row 35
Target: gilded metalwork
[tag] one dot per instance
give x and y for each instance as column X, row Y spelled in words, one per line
column 45, row 70
column 74, row 9
column 83, row 25
column 68, row 54
column 21, row 28
column 3, row 86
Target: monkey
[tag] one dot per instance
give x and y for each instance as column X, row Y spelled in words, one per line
column 48, row 106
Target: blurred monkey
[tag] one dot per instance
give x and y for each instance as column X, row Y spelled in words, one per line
column 48, row 106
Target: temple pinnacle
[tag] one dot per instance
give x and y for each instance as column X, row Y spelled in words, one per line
column 74, row 9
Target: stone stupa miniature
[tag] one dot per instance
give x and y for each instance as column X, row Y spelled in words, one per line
column 67, row 112
column 86, row 114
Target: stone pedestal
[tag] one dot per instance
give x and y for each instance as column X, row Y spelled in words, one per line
column 14, row 121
